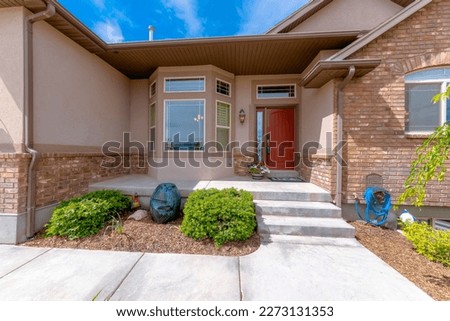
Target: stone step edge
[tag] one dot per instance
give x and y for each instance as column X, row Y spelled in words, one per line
column 302, row 221
column 295, row 204
column 310, row 240
column 297, row 209
column 292, row 196
column 300, row 226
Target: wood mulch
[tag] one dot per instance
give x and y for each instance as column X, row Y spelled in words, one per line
column 147, row 236
column 393, row 248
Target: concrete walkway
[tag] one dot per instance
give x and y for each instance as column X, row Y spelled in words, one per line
column 339, row 271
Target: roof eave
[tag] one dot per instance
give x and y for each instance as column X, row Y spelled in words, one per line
column 302, row 13
column 325, row 71
column 79, row 26
column 232, row 39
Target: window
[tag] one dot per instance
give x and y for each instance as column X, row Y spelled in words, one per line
column 423, row 116
column 174, row 85
column 184, row 124
column 153, row 89
column 223, row 122
column 152, row 126
column 275, row 91
column 223, row 87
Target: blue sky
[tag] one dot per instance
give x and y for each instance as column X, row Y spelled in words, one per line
column 127, row 20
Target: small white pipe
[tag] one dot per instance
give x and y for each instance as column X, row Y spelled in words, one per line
column 151, row 31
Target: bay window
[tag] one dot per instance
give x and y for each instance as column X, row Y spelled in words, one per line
column 223, row 125
column 184, row 124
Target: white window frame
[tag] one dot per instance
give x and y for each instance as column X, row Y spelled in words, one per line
column 226, row 82
column 442, row 104
column 150, row 127
column 204, row 119
column 219, row 126
column 185, row 91
column 150, row 90
column 276, row 85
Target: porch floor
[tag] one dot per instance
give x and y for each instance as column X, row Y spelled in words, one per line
column 144, row 185
column 292, row 212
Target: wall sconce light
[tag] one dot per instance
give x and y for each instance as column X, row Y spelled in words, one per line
column 242, row 116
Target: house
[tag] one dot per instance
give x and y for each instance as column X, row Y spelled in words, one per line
column 75, row 110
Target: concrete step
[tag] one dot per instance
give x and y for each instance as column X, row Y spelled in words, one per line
column 310, row 240
column 292, row 196
column 304, row 226
column 299, row 209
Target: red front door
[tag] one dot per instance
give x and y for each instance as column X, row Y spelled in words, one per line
column 279, row 138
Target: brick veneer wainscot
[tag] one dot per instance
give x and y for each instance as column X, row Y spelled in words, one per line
column 60, row 176
column 13, row 182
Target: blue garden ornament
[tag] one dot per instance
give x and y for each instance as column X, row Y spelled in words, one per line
column 378, row 204
column 165, row 203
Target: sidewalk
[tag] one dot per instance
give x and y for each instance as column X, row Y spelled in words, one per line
column 275, row 272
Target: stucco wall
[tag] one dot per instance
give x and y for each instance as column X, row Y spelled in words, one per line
column 317, row 116
column 139, row 103
column 79, row 100
column 343, row 15
column 11, row 79
column 243, row 96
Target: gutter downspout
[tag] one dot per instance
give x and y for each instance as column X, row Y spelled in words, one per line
column 28, row 113
column 339, row 134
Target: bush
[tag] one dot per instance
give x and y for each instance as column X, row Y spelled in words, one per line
column 431, row 243
column 222, row 215
column 86, row 215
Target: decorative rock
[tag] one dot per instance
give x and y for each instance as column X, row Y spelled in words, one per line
column 139, row 215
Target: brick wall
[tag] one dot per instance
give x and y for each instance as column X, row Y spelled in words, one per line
column 62, row 176
column 241, row 162
column 13, row 182
column 320, row 171
column 374, row 116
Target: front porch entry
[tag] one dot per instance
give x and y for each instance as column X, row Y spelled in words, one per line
column 275, row 132
column 285, row 212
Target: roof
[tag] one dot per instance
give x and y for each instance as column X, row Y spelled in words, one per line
column 325, row 70
column 244, row 55
column 273, row 53
column 308, row 11
column 337, row 65
column 240, row 55
column 408, row 11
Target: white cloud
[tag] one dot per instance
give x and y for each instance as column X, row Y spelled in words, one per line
column 259, row 16
column 99, row 4
column 186, row 10
column 108, row 27
column 109, row 30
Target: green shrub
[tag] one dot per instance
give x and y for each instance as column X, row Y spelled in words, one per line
column 86, row 215
column 117, row 201
column 431, row 243
column 222, row 215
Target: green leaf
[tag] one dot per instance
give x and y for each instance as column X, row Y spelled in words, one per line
column 86, row 215
column 222, row 215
